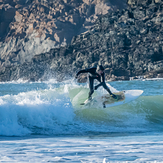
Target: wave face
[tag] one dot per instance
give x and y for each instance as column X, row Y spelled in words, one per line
column 46, row 109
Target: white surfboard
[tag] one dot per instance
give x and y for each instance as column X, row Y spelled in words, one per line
column 106, row 100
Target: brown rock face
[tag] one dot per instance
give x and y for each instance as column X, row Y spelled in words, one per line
column 128, row 43
column 6, row 16
column 32, row 27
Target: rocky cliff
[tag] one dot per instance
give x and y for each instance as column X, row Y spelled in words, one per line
column 31, row 27
column 127, row 42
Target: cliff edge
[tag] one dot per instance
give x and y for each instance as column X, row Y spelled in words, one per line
column 127, row 42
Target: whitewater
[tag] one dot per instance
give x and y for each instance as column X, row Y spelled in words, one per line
column 39, row 122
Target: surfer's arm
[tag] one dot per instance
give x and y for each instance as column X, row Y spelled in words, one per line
column 81, row 71
column 91, row 70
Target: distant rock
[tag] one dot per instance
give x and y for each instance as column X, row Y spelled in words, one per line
column 31, row 27
column 128, row 43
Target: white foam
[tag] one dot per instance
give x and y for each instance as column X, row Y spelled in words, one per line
column 19, row 81
column 44, row 108
column 139, row 148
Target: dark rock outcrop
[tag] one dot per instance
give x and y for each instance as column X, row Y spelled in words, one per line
column 128, row 43
column 31, row 27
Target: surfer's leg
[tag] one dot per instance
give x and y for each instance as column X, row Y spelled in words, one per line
column 91, row 82
column 107, row 88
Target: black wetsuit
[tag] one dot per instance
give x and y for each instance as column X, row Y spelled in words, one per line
column 92, row 74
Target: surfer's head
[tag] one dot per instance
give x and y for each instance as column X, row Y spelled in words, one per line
column 100, row 69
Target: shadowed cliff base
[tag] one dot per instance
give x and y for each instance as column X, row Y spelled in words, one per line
column 127, row 42
column 32, row 27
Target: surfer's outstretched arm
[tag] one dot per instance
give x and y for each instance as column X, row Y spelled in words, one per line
column 81, row 71
column 93, row 69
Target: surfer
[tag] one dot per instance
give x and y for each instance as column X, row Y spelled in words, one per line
column 98, row 74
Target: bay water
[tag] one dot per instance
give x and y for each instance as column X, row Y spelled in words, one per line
column 39, row 123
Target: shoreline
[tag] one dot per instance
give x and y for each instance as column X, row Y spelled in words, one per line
column 53, row 80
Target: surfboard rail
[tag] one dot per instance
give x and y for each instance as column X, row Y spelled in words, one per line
column 106, row 100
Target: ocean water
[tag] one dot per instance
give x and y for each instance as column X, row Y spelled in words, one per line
column 39, row 122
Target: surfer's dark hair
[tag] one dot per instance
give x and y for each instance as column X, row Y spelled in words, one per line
column 101, row 68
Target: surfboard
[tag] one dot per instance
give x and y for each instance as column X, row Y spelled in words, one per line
column 106, row 100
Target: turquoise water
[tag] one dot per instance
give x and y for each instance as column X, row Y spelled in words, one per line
column 39, row 123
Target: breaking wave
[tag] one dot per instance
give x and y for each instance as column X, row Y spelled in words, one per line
column 50, row 112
